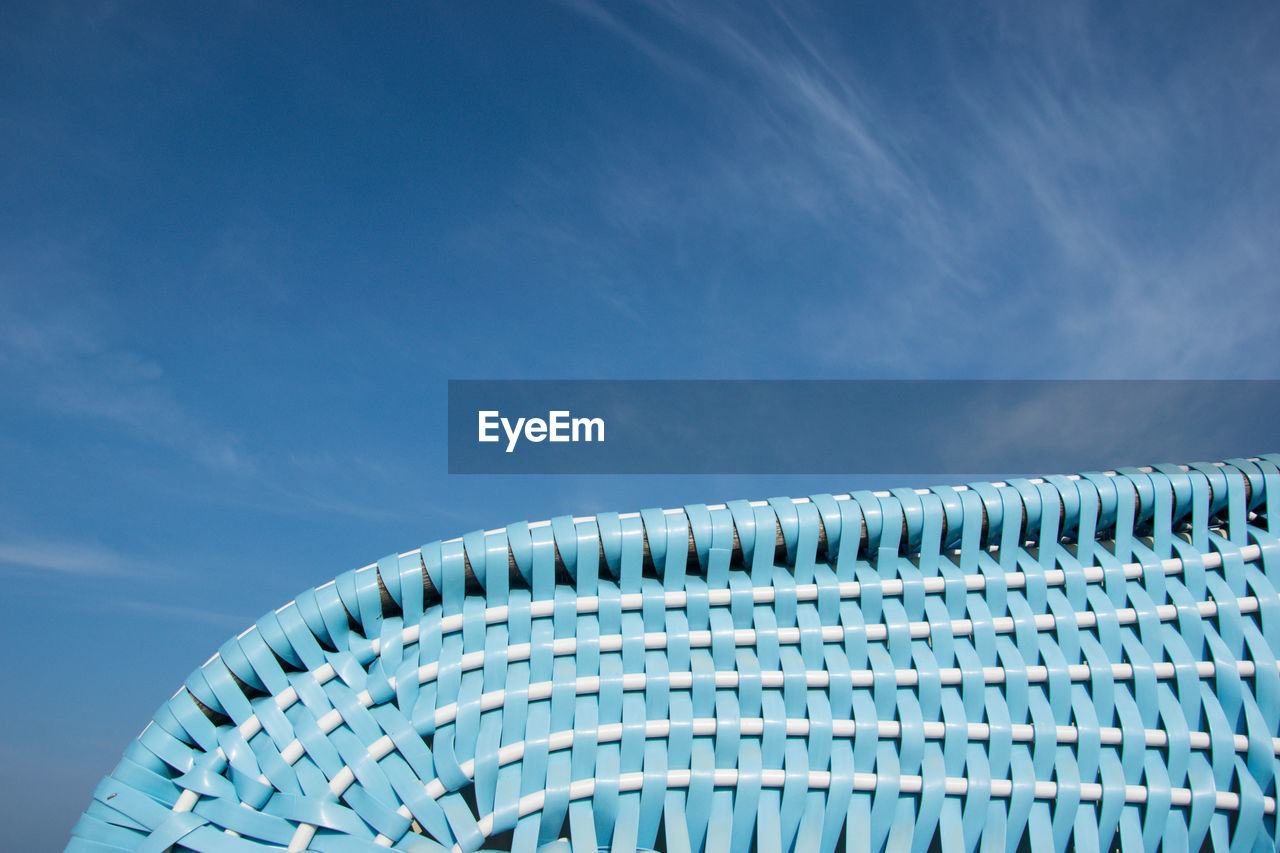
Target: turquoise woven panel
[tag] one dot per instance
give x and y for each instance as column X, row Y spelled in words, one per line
column 1068, row 663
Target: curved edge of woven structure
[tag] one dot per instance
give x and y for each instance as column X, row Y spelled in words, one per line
column 1081, row 661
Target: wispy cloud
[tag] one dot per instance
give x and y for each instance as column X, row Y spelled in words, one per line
column 809, row 135
column 1114, row 173
column 183, row 613
column 67, row 558
column 59, row 358
column 1077, row 200
column 54, row 355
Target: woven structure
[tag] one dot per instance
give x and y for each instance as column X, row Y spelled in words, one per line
column 1084, row 662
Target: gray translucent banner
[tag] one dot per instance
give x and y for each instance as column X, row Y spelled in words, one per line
column 852, row 426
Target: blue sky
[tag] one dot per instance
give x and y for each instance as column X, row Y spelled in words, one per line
column 243, row 248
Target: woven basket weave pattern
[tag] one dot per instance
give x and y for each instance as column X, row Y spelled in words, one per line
column 1081, row 662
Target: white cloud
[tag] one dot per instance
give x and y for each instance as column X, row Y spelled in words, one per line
column 1066, row 202
column 55, row 355
column 69, row 558
column 184, row 613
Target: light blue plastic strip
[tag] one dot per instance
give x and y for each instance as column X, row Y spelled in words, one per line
column 1066, row 663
